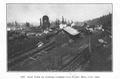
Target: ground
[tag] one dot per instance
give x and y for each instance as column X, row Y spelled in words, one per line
column 48, row 59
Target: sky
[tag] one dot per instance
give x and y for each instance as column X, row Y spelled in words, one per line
column 76, row 12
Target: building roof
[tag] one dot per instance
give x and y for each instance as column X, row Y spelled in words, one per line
column 71, row 30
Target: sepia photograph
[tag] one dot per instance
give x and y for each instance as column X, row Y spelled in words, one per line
column 59, row 37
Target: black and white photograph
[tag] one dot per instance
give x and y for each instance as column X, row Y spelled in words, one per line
column 59, row 37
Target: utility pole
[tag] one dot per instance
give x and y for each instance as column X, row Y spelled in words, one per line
column 90, row 50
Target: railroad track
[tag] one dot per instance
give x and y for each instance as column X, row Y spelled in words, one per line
column 71, row 66
column 77, row 61
column 29, row 53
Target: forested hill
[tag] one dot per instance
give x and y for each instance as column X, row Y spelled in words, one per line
column 105, row 20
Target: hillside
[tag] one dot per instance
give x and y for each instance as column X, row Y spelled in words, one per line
column 105, row 20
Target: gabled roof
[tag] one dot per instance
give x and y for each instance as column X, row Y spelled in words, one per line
column 71, row 30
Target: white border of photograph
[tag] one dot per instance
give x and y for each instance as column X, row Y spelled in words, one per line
column 54, row 75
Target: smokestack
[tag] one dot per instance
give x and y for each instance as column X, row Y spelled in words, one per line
column 40, row 22
column 62, row 20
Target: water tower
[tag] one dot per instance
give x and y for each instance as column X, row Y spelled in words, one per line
column 46, row 23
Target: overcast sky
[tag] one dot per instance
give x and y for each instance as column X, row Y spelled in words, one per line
column 76, row 12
